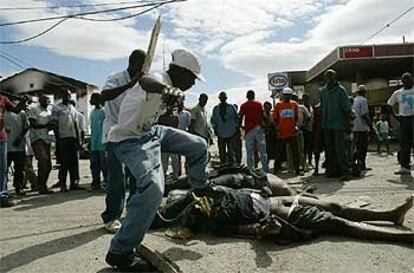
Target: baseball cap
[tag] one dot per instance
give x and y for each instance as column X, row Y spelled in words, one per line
column 188, row 60
column 287, row 91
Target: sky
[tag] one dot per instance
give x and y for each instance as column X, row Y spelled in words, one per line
column 239, row 42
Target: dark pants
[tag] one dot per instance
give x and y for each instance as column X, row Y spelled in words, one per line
column 307, row 145
column 336, row 160
column 29, row 174
column 69, row 156
column 406, row 140
column 361, row 140
column 238, row 146
column 18, row 160
column 98, row 166
column 281, row 152
column 41, row 151
column 227, row 151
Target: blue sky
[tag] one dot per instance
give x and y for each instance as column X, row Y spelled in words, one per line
column 239, row 42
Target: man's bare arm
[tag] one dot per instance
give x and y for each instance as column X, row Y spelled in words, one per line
column 152, row 85
column 113, row 93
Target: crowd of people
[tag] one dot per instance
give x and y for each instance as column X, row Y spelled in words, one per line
column 139, row 124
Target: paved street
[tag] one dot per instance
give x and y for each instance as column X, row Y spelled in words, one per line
column 63, row 233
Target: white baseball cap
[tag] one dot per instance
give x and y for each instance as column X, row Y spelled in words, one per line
column 287, row 91
column 188, row 60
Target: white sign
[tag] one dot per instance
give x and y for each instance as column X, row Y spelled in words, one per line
column 277, row 81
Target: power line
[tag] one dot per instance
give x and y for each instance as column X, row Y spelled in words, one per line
column 15, row 58
column 74, row 6
column 11, row 61
column 82, row 18
column 75, row 15
column 388, row 25
column 123, row 17
column 34, row 36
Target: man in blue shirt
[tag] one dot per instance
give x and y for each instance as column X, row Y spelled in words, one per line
column 224, row 122
column 97, row 153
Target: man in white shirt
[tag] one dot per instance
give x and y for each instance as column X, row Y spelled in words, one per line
column 405, row 99
column 361, row 126
column 67, row 132
column 199, row 122
column 40, row 118
column 16, row 127
column 138, row 144
column 113, row 94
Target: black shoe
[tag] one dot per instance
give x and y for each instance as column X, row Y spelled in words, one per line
column 20, row 192
column 366, row 169
column 95, row 189
column 64, row 189
column 129, row 262
column 76, row 187
column 5, row 202
column 45, row 191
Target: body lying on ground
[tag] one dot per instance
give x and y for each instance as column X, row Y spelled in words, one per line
column 226, row 211
column 240, row 178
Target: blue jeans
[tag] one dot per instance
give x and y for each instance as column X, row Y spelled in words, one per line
column 3, row 169
column 98, row 165
column 143, row 158
column 256, row 136
column 115, row 186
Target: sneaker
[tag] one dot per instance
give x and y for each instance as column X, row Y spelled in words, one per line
column 113, row 226
column 129, row 262
column 403, row 171
column 5, row 202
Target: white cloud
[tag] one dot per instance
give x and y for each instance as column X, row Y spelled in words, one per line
column 80, row 38
column 243, row 35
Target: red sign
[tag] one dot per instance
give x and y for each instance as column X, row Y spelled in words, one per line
column 355, row 52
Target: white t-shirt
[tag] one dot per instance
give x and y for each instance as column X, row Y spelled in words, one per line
column 405, row 100
column 139, row 112
column 112, row 107
column 360, row 108
column 42, row 117
column 68, row 120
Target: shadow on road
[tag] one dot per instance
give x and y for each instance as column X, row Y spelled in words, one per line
column 404, row 179
column 39, row 251
column 50, row 200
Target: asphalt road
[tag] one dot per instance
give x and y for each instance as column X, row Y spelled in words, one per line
column 63, row 233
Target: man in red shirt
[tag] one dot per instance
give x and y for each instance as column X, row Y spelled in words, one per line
column 252, row 111
column 5, row 103
column 286, row 116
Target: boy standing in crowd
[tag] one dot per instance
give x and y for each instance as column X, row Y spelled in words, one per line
column 383, row 131
column 97, row 151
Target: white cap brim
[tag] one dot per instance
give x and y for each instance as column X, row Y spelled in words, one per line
column 200, row 77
